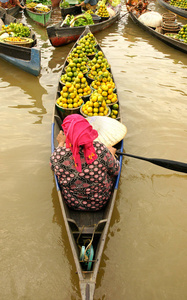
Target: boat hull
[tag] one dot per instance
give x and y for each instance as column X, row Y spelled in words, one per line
column 60, row 36
column 29, row 61
column 42, row 19
column 179, row 11
column 167, row 40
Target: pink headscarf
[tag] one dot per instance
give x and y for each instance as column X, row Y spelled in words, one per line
column 78, row 131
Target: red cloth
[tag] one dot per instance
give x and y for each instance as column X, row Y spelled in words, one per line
column 79, row 132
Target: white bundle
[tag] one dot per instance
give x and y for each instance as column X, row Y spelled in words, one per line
column 151, row 18
column 4, row 35
column 40, row 5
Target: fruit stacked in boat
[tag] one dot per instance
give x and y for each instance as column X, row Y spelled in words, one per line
column 86, row 82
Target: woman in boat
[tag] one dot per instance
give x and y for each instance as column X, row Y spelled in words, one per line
column 19, row 4
column 4, row 3
column 137, row 7
column 55, row 3
column 85, row 168
column 88, row 4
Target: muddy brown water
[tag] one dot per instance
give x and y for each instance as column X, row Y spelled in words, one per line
column 145, row 256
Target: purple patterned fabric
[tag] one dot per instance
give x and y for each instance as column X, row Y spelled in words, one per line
column 91, row 188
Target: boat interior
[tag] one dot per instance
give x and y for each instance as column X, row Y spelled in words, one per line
column 86, row 227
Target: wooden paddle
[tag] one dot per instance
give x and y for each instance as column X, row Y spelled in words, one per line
column 165, row 163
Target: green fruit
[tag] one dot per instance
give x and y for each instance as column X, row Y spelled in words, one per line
column 69, row 74
column 115, row 106
column 68, row 69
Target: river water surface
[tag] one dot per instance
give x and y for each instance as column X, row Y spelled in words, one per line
column 145, row 257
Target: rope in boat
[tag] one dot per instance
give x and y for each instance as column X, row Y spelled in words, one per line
column 89, row 245
column 87, row 253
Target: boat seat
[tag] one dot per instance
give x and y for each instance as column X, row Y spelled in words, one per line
column 101, row 225
column 89, row 229
column 73, row 225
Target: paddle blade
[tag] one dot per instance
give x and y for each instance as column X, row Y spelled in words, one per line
column 170, row 164
column 165, row 163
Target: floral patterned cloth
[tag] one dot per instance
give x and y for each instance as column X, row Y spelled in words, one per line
column 91, row 188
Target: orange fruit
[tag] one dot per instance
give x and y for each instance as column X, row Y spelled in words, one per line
column 64, row 88
column 68, row 84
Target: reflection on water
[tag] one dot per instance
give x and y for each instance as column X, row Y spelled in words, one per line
column 57, row 218
column 29, row 95
column 135, row 34
column 146, row 246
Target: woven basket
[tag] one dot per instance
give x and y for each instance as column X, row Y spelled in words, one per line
column 112, row 103
column 68, row 111
column 170, row 26
column 168, row 17
column 86, row 116
column 86, row 98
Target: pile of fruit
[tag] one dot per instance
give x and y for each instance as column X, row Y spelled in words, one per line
column 88, row 38
column 31, row 5
column 42, row 9
column 76, row 53
column 96, row 106
column 73, row 68
column 82, row 20
column 16, row 29
column 102, row 11
column 182, row 34
column 97, row 71
column 103, row 99
column 69, row 97
column 104, row 78
column 14, row 39
column 68, row 77
column 106, row 89
column 88, row 44
column 114, row 111
column 99, row 61
column 81, row 84
column 64, row 4
column 38, row 6
column 44, row 2
column 89, row 11
column 179, row 3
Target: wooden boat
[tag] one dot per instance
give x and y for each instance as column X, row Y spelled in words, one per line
column 25, row 58
column 41, row 18
column 60, row 36
column 12, row 9
column 179, row 11
column 171, row 41
column 80, row 224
